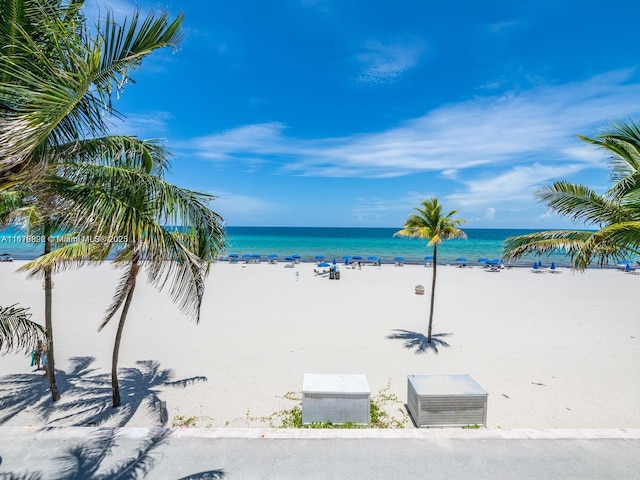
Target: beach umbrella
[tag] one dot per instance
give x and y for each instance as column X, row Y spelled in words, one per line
column 346, row 259
column 357, row 257
column 231, row 255
column 319, row 257
column 399, row 259
column 273, row 255
column 428, row 257
column 289, row 259
column 372, row 258
column 461, row 259
column 553, row 265
column 324, row 264
column 483, row 260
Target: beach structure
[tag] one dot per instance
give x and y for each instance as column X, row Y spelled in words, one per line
column 446, row 401
column 337, row 399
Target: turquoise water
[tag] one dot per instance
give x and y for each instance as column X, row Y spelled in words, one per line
column 380, row 242
column 308, row 242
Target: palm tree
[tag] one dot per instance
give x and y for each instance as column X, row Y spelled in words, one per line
column 429, row 223
column 616, row 213
column 124, row 202
column 17, row 331
column 58, row 75
column 56, row 82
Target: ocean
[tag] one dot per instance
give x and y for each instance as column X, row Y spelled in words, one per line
column 331, row 243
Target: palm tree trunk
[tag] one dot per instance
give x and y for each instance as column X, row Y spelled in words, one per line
column 48, row 301
column 131, row 285
column 433, row 291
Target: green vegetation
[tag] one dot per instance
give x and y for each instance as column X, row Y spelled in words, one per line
column 380, row 418
column 17, row 330
column 616, row 213
column 63, row 172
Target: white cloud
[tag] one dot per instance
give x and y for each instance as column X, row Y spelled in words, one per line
column 537, row 125
column 490, row 213
column 513, row 184
column 152, row 123
column 235, row 207
column 383, row 63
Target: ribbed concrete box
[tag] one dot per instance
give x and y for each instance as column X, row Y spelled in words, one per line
column 446, row 401
column 335, row 398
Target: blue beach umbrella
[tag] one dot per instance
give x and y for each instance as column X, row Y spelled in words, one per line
column 273, row 255
column 483, row 260
column 372, row 258
column 346, row 259
column 428, row 257
column 399, row 259
column 461, row 259
column 319, row 257
column 324, row 264
column 357, row 257
column 231, row 255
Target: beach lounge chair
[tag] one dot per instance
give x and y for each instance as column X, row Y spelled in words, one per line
column 553, row 268
column 536, row 269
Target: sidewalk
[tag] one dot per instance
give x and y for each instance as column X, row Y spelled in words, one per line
column 454, row 454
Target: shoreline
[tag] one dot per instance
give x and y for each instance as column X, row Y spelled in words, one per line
column 550, row 350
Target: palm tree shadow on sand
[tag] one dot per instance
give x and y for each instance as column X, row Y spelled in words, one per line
column 419, row 341
column 90, row 460
column 87, row 395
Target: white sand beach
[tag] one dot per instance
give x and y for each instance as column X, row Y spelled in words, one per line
column 552, row 351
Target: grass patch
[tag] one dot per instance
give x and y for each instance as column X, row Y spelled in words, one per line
column 380, row 405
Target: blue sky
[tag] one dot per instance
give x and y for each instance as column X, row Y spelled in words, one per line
column 350, row 113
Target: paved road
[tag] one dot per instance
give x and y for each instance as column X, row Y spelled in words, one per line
column 165, row 454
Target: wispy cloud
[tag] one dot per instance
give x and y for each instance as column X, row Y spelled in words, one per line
column 497, row 149
column 536, row 125
column 381, row 63
column 237, row 206
column 154, row 123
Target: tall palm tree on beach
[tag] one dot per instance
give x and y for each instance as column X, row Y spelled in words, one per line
column 57, row 78
column 45, row 208
column 616, row 213
column 430, row 223
column 125, row 203
column 37, row 215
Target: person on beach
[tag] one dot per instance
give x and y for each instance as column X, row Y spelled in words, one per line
column 38, row 352
column 44, row 358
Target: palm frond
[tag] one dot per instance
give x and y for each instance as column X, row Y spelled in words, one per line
column 17, row 331
column 541, row 243
column 581, row 204
column 72, row 254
